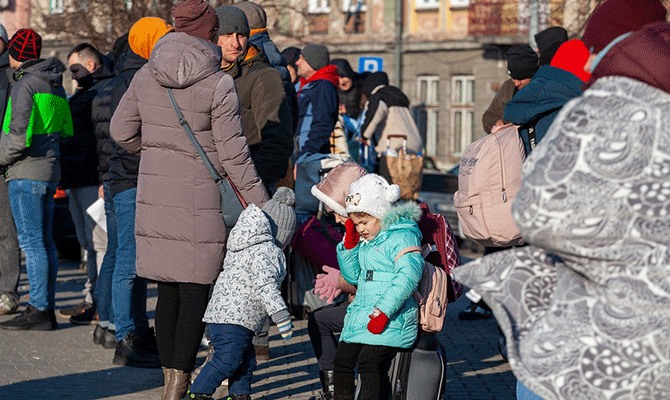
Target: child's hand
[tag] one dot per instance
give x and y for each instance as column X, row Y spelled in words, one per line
column 326, row 285
column 351, row 236
column 285, row 327
column 378, row 321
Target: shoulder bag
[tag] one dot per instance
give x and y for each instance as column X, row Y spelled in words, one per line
column 232, row 203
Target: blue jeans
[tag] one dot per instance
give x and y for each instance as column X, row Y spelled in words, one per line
column 32, row 205
column 523, row 393
column 80, row 199
column 234, row 359
column 104, row 287
column 129, row 292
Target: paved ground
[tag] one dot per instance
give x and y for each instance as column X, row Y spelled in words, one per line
column 65, row 364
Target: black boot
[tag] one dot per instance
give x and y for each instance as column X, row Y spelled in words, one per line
column 131, row 352
column 32, row 319
column 328, row 386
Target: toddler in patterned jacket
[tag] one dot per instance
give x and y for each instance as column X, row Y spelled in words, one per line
column 246, row 292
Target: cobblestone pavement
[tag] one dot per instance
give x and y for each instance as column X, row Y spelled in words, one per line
column 65, row 364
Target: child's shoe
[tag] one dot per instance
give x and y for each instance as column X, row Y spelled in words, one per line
column 197, row 396
column 236, row 397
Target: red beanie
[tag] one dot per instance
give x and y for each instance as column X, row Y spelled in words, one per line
column 571, row 57
column 25, row 45
column 197, row 18
column 613, row 18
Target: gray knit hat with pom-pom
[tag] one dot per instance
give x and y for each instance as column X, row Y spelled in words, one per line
column 281, row 213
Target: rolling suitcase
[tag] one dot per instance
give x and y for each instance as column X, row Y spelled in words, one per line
column 418, row 374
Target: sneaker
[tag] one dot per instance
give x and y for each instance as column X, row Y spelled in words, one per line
column 197, row 396
column 98, row 334
column 104, row 337
column 475, row 311
column 74, row 310
column 131, row 352
column 262, row 353
column 109, row 340
column 32, row 319
column 8, row 305
column 238, row 397
column 321, row 395
column 88, row 317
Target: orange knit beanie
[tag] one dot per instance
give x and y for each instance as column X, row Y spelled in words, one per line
column 145, row 33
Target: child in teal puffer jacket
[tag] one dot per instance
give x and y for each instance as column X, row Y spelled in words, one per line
column 381, row 255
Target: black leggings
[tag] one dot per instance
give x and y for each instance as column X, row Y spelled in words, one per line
column 373, row 363
column 322, row 326
column 179, row 325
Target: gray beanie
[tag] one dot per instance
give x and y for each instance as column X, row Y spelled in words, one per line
column 316, row 55
column 3, row 34
column 232, row 20
column 282, row 215
column 255, row 14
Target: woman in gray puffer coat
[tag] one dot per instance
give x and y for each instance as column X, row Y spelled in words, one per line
column 246, row 292
column 180, row 233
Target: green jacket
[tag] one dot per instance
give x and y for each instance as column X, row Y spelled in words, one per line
column 37, row 117
column 383, row 282
column 266, row 118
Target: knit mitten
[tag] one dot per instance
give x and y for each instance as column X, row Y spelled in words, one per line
column 326, row 285
column 285, row 327
column 351, row 237
column 378, row 321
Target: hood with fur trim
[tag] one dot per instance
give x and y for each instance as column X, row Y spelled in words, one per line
column 402, row 213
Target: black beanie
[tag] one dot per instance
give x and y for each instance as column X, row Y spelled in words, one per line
column 232, row 20
column 379, row 78
column 291, row 55
column 316, row 55
column 521, row 62
column 549, row 36
column 343, row 68
column 548, row 53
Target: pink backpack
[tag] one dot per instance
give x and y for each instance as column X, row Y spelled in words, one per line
column 489, row 177
column 436, row 288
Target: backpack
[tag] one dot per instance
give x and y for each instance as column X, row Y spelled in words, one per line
column 489, row 177
column 436, row 288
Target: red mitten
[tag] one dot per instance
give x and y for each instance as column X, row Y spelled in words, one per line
column 351, row 237
column 377, row 323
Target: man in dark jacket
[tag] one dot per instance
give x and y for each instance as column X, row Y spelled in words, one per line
column 266, row 118
column 536, row 105
column 317, row 100
column 521, row 66
column 10, row 255
column 259, row 37
column 39, row 116
column 79, row 167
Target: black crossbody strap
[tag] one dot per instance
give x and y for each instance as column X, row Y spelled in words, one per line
column 203, row 156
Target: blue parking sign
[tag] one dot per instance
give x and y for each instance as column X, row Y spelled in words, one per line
column 372, row 64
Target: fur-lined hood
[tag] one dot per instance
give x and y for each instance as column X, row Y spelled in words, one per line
column 401, row 213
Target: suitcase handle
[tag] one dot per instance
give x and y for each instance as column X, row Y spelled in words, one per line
column 397, row 136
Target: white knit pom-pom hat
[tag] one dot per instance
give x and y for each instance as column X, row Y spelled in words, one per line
column 372, row 194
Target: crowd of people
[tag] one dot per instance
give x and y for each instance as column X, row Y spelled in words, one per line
column 593, row 276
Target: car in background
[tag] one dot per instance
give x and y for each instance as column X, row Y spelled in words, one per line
column 437, row 191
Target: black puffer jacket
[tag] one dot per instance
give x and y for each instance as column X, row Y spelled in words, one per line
column 79, row 158
column 101, row 115
column 123, row 166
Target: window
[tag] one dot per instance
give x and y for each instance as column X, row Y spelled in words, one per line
column 318, row 7
column 427, row 4
column 462, row 111
column 323, row 6
column 427, row 112
column 459, row 3
column 56, row 6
